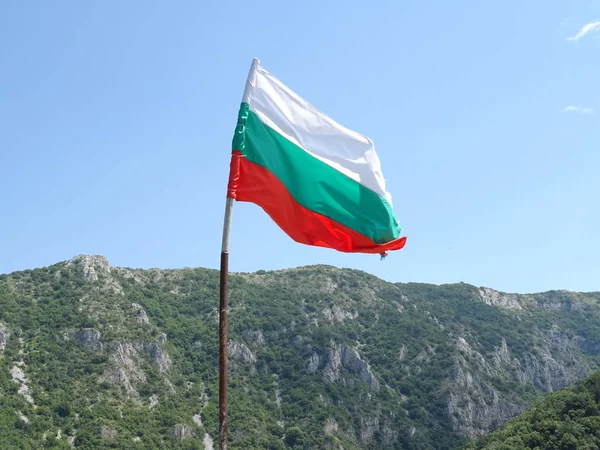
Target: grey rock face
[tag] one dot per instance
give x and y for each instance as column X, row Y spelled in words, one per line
column 547, row 374
column 344, row 356
column 182, row 432
column 96, row 270
column 124, row 368
column 476, row 407
column 91, row 265
column 402, row 352
column 87, row 337
column 208, row 442
column 334, row 364
column 495, row 298
column 502, row 357
column 355, row 364
column 561, row 301
column 159, row 355
column 18, row 376
column 335, row 314
column 368, row 427
column 331, row 427
column 240, row 351
column 140, row 314
column 313, row 362
column 4, row 334
column 108, row 433
column 553, row 365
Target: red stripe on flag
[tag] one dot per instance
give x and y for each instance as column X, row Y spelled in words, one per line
column 249, row 182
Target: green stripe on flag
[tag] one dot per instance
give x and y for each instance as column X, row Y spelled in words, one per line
column 314, row 184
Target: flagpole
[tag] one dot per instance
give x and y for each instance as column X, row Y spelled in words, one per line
column 223, row 286
column 223, row 305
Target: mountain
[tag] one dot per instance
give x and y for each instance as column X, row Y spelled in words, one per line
column 94, row 356
column 568, row 419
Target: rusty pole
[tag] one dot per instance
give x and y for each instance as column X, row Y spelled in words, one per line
column 223, row 306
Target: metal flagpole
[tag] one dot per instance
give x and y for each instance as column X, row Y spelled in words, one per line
column 223, row 305
column 223, row 293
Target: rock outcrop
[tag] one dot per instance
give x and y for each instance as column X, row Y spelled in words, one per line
column 95, row 270
column 368, row 427
column 348, row 358
column 239, row 351
column 313, row 363
column 87, row 337
column 124, row 368
column 108, row 433
column 182, row 432
column 499, row 299
column 140, row 314
column 91, row 265
column 18, row 376
column 331, row 427
column 4, row 334
column 159, row 356
column 475, row 406
column 335, row 314
column 208, row 442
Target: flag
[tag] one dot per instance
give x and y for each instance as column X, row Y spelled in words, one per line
column 319, row 181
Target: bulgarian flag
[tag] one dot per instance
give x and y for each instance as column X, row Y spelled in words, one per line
column 319, row 181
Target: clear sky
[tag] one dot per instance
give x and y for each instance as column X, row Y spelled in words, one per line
column 116, row 119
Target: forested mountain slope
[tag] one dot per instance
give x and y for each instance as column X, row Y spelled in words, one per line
column 94, row 356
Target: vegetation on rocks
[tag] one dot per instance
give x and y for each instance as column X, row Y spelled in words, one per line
column 564, row 420
column 94, row 356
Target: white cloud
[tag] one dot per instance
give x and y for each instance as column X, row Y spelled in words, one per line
column 579, row 109
column 586, row 29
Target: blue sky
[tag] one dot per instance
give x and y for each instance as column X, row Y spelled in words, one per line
column 116, row 121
